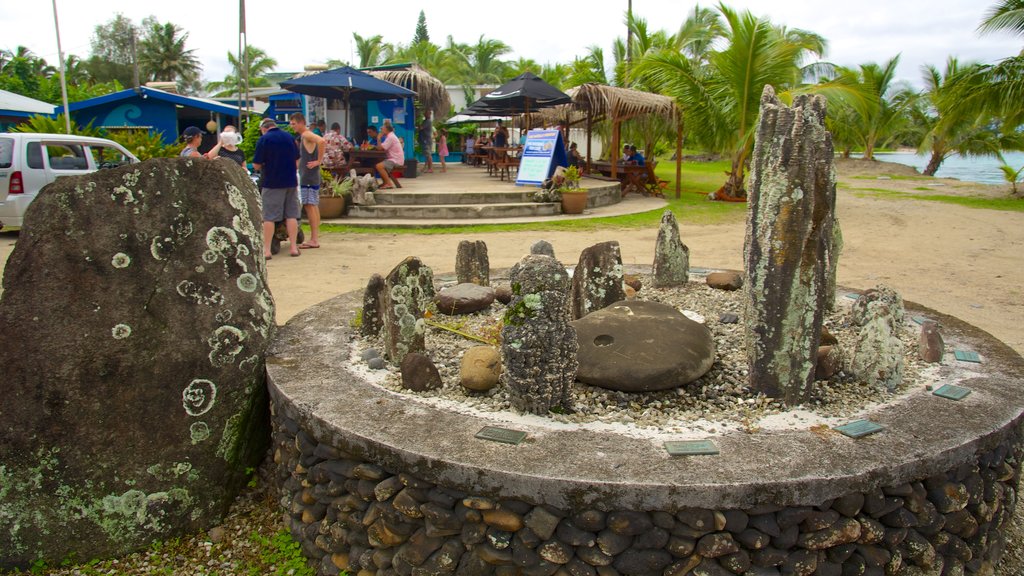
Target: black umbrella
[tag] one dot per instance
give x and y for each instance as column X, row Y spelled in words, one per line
column 348, row 84
column 521, row 95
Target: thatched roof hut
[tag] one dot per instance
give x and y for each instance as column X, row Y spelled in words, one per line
column 594, row 102
column 430, row 91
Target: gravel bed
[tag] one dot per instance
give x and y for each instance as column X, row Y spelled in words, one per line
column 721, row 400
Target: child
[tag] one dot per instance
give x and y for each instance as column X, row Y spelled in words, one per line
column 442, row 147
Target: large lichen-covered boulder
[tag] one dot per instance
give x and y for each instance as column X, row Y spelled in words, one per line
column 789, row 232
column 597, row 279
column 408, row 292
column 538, row 345
column 136, row 315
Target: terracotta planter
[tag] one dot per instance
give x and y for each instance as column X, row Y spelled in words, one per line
column 574, row 202
column 332, row 206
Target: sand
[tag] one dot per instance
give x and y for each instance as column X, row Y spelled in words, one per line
column 962, row 261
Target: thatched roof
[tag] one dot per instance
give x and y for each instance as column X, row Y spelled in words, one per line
column 611, row 102
column 429, row 90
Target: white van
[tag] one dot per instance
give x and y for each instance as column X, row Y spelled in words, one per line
column 30, row 161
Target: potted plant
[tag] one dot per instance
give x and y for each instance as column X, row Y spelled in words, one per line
column 574, row 198
column 332, row 195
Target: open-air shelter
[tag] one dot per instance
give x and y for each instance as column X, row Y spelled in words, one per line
column 595, row 102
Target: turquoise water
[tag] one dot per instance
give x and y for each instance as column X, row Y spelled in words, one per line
column 983, row 169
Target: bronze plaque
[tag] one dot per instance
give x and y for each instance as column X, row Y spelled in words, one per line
column 691, row 448
column 952, row 392
column 859, row 428
column 503, row 435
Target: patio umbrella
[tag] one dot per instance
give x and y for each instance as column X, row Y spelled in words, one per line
column 347, row 84
column 520, row 95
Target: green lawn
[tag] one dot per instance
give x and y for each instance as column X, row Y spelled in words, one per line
column 981, row 202
column 698, row 180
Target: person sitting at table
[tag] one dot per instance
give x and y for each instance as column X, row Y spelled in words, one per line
column 626, row 154
column 335, row 147
column 635, row 158
column 371, row 136
column 468, row 147
column 395, row 156
column 574, row 156
column 500, row 137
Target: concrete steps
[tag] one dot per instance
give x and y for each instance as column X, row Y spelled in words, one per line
column 472, row 205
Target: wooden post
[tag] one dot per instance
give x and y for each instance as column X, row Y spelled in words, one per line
column 589, row 127
column 679, row 156
column 615, row 147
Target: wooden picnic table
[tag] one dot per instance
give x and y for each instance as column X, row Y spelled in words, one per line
column 365, row 161
column 639, row 179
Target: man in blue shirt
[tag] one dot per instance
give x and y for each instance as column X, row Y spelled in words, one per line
column 635, row 156
column 276, row 158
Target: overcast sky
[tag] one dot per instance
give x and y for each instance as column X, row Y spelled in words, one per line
column 300, row 33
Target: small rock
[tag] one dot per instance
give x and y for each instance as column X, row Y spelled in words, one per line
column 480, row 368
column 543, row 248
column 216, row 534
column 419, row 373
column 633, row 281
column 728, row 318
column 503, row 294
column 727, row 280
column 377, row 363
column 830, row 361
column 930, row 345
column 464, row 298
column 369, row 354
column 827, row 339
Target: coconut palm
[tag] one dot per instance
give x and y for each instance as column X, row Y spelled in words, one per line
column 588, row 69
column 372, row 51
column 698, row 32
column 880, row 108
column 257, row 64
column 721, row 99
column 1006, row 15
column 163, row 56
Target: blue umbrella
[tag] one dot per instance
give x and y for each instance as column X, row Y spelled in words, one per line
column 347, row 84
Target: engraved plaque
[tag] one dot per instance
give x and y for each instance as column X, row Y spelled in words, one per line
column 967, row 356
column 852, row 295
column 503, row 435
column 859, row 428
column 691, row 448
column 952, row 392
column 919, row 319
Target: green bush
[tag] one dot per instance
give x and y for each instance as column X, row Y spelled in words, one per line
column 144, row 144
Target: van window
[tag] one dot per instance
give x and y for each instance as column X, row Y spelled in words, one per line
column 6, row 152
column 66, row 156
column 34, row 155
column 107, row 156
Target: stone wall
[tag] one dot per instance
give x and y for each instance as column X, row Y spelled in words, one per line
column 350, row 514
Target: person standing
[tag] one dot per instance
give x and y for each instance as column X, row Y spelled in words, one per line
column 427, row 140
column 311, row 157
column 500, row 137
column 193, row 138
column 394, row 156
column 276, row 158
column 227, row 146
column 442, row 147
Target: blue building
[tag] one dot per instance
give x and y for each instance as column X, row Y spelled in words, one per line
column 153, row 109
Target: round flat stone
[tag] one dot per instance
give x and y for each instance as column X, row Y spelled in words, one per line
column 636, row 346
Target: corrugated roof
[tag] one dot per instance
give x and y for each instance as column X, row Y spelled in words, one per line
column 12, row 104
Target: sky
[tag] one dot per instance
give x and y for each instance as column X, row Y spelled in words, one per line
column 920, row 31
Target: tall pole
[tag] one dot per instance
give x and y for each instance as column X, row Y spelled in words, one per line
column 244, row 61
column 63, row 80
column 238, row 78
column 629, row 41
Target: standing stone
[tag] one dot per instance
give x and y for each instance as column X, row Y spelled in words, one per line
column 538, row 345
column 671, row 256
column 542, row 248
column 834, row 251
column 878, row 355
column 133, row 399
column 419, row 373
column 789, row 230
column 408, row 291
column 597, row 279
column 373, row 306
column 471, row 263
column 930, row 345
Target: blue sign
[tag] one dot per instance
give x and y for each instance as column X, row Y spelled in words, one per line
column 543, row 152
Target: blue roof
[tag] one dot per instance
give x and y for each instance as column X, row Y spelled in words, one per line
column 178, row 99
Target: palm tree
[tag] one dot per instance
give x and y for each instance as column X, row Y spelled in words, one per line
column 879, row 109
column 372, row 51
column 163, row 56
column 483, row 63
column 949, row 127
column 698, row 32
column 257, row 64
column 722, row 98
column 1006, row 15
column 589, row 68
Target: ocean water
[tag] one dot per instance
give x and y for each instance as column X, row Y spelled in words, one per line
column 984, row 169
